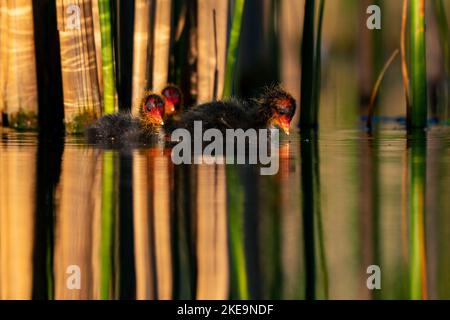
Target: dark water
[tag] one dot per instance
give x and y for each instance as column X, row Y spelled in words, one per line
column 138, row 227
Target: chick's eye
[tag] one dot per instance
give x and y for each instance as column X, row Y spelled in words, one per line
column 154, row 103
column 284, row 111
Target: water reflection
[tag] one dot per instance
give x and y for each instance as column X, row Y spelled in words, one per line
column 139, row 227
column 417, row 195
column 17, row 172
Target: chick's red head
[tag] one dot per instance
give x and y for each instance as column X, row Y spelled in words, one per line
column 282, row 106
column 152, row 110
column 173, row 97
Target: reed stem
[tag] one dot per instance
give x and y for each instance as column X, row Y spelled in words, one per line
column 417, row 118
column 405, row 72
column 444, row 33
column 318, row 62
column 109, row 89
column 233, row 46
column 311, row 65
column 307, row 112
column 376, row 88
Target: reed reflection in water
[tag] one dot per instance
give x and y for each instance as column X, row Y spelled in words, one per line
column 139, row 227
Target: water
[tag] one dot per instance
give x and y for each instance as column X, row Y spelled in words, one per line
column 138, row 227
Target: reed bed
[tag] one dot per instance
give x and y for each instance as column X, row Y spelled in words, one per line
column 121, row 49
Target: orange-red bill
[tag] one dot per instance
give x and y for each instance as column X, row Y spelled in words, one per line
column 283, row 122
column 155, row 117
column 169, row 107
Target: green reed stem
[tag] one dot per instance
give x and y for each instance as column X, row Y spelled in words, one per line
column 233, row 47
column 109, row 90
column 108, row 206
column 311, row 65
column 444, row 33
column 418, row 115
column 318, row 62
column 307, row 97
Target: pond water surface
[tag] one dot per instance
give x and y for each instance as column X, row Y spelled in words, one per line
column 138, row 227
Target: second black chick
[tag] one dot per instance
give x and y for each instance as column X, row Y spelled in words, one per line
column 274, row 108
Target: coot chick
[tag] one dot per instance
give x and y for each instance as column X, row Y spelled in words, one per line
column 274, row 108
column 124, row 128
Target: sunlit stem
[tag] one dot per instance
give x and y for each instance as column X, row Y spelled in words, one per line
column 418, row 115
column 233, row 47
column 109, row 90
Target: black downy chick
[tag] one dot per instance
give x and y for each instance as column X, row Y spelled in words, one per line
column 274, row 108
column 124, row 128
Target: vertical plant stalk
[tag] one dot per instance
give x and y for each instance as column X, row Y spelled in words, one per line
column 233, row 46
column 318, row 63
column 18, row 71
column 405, row 72
column 108, row 205
column 216, row 59
column 82, row 103
column 183, row 63
column 143, row 12
column 376, row 88
column 202, row 47
column 109, row 89
column 444, row 33
column 417, row 118
column 307, row 91
column 161, row 44
column 3, row 60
